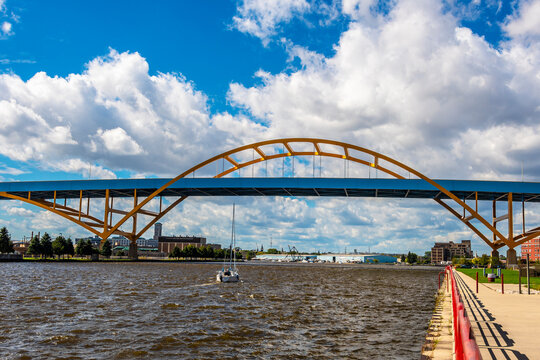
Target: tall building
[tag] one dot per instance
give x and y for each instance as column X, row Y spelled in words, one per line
column 445, row 251
column 158, row 227
column 531, row 247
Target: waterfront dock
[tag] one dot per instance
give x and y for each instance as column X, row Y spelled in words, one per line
column 505, row 326
column 439, row 343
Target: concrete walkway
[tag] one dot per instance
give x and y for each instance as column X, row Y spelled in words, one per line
column 506, row 326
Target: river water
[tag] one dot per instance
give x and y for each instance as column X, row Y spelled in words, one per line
column 177, row 311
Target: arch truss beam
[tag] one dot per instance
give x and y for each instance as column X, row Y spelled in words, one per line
column 234, row 160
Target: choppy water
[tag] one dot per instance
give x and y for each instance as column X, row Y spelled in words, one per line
column 157, row 310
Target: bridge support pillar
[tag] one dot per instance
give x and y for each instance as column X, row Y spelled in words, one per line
column 132, row 253
column 511, row 258
column 494, row 253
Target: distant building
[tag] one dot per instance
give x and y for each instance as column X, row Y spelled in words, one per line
column 119, row 241
column 336, row 258
column 158, row 227
column 142, row 242
column 95, row 240
column 531, row 247
column 21, row 246
column 445, row 251
column 166, row 244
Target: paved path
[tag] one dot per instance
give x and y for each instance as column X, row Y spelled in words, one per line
column 506, row 326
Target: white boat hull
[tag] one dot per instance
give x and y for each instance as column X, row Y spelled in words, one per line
column 233, row 277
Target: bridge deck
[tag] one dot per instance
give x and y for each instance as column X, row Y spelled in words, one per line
column 336, row 187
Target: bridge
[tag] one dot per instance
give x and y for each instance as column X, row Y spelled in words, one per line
column 459, row 197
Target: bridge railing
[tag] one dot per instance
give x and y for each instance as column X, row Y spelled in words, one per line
column 465, row 345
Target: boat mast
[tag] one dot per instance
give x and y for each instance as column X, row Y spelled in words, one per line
column 232, row 237
column 234, row 243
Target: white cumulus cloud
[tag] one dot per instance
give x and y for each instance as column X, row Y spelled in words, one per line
column 85, row 168
column 117, row 141
column 260, row 17
column 108, row 114
column 410, row 87
column 526, row 23
column 6, row 28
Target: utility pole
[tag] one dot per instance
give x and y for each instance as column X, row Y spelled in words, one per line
column 528, row 277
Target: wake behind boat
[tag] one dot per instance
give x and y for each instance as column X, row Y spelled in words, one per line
column 230, row 273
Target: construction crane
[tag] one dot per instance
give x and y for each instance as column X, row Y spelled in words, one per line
column 293, row 254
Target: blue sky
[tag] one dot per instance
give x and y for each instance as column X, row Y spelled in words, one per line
column 134, row 88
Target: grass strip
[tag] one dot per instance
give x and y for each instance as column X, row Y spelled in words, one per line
column 510, row 277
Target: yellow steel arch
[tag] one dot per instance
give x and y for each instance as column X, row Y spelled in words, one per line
column 345, row 152
column 317, row 152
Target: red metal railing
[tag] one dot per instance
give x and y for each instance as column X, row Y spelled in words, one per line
column 465, row 345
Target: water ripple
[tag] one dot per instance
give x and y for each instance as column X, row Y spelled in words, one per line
column 167, row 311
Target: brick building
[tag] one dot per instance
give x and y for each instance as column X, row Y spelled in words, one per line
column 445, row 251
column 166, row 244
column 531, row 247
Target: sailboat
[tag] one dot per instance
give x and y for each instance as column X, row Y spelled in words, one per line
column 230, row 273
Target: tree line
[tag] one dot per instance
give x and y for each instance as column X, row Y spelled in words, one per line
column 85, row 248
column 46, row 247
column 412, row 258
column 204, row 252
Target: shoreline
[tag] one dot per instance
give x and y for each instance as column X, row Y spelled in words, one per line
column 238, row 263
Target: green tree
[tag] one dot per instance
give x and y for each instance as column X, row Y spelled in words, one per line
column 191, row 251
column 69, row 248
column 6, row 245
column 207, row 252
column 226, row 253
column 59, row 246
column 79, row 247
column 273, row 251
column 106, row 249
column 88, row 249
column 175, row 253
column 403, row 258
column 219, row 254
column 84, row 248
column 249, row 254
column 46, row 246
column 411, row 258
column 484, row 260
column 35, row 246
